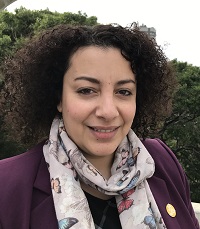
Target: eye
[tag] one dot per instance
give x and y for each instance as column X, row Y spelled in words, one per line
column 85, row 91
column 124, row 92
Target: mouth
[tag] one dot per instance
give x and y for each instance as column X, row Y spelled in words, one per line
column 103, row 129
column 104, row 133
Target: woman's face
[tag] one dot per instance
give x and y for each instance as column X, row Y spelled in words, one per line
column 99, row 100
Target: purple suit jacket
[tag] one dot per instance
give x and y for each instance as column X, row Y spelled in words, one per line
column 26, row 198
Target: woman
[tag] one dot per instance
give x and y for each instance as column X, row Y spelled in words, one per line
column 97, row 85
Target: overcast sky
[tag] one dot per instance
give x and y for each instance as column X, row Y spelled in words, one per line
column 177, row 22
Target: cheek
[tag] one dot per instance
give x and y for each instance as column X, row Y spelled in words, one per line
column 129, row 113
column 78, row 110
column 69, row 111
column 73, row 115
column 71, row 122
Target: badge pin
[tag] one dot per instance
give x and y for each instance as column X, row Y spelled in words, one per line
column 171, row 210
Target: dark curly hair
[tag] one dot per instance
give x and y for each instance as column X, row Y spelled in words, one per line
column 34, row 77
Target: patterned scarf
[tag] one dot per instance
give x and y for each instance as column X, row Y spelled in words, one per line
column 131, row 167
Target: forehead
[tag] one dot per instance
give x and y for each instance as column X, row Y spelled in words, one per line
column 104, row 65
column 94, row 52
column 99, row 60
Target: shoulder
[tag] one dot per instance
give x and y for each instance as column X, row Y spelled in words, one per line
column 167, row 167
column 165, row 159
column 168, row 170
column 157, row 148
column 20, row 168
column 19, row 160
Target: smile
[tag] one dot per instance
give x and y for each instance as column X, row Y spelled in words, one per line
column 103, row 131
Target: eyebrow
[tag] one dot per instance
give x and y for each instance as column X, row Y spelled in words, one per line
column 121, row 82
column 93, row 80
column 90, row 79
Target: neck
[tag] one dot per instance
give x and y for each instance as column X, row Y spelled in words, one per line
column 102, row 164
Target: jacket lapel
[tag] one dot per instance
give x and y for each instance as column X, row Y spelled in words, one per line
column 43, row 212
column 161, row 195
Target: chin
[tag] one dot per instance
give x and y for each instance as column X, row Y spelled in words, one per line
column 103, row 153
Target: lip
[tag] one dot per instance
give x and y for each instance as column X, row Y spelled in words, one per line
column 102, row 132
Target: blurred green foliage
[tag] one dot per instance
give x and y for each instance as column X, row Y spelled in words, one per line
column 16, row 27
column 181, row 130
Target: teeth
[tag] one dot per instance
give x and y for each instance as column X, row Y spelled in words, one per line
column 103, row 131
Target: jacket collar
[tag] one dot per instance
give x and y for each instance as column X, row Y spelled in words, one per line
column 42, row 180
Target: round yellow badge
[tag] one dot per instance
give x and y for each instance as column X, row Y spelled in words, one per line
column 171, row 210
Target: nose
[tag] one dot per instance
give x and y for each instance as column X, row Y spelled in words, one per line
column 107, row 108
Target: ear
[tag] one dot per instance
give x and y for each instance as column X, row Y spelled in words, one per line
column 59, row 107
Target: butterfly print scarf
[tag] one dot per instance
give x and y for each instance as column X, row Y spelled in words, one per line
column 128, row 183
